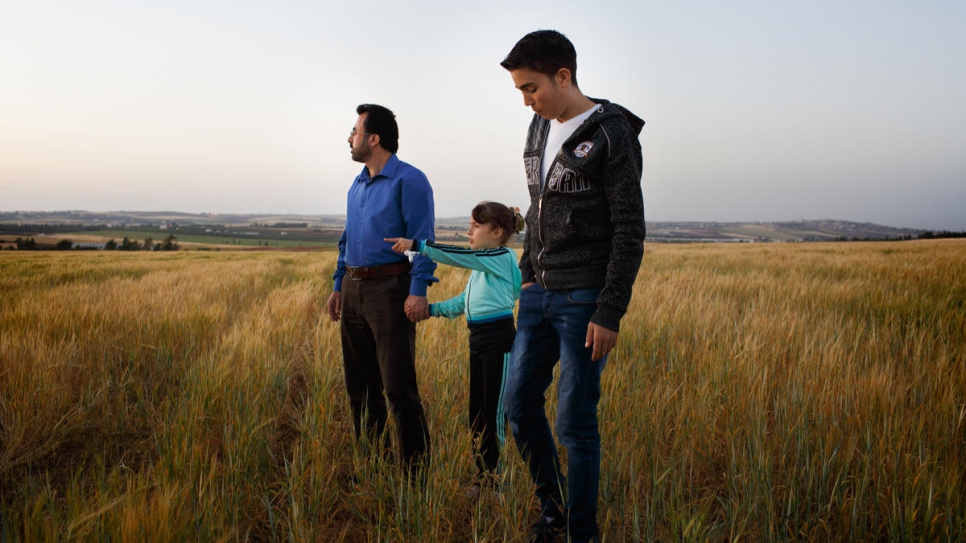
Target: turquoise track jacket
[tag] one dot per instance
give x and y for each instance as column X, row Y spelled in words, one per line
column 493, row 287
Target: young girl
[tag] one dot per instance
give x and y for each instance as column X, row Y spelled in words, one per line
column 488, row 300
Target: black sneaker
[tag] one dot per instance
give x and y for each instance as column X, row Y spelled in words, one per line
column 593, row 538
column 546, row 529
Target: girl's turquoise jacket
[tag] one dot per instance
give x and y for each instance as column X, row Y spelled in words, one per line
column 493, row 287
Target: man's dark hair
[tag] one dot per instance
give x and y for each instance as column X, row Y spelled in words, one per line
column 544, row 51
column 498, row 216
column 382, row 122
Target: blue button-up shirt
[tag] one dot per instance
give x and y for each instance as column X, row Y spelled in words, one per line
column 396, row 203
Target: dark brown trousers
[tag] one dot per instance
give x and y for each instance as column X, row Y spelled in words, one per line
column 379, row 354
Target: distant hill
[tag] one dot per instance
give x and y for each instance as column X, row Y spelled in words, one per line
column 814, row 230
column 681, row 232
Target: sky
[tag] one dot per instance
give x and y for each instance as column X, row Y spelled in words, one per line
column 755, row 110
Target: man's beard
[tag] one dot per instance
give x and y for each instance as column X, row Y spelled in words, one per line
column 361, row 153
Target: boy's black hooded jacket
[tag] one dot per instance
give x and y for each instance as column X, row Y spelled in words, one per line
column 586, row 229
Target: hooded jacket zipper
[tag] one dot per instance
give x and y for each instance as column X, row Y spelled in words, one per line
column 543, row 270
column 543, row 185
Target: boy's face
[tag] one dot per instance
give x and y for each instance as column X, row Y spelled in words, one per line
column 542, row 93
column 484, row 236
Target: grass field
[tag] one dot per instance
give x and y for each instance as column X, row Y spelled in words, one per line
column 759, row 392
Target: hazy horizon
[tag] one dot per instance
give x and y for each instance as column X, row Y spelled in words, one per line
column 755, row 111
column 438, row 217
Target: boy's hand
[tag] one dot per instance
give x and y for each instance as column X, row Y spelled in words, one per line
column 602, row 340
column 400, row 245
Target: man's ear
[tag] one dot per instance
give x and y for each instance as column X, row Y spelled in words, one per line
column 374, row 140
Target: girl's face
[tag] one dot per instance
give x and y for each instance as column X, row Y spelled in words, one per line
column 484, row 236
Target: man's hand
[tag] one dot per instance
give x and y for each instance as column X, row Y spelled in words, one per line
column 400, row 245
column 527, row 285
column 417, row 308
column 334, row 306
column 603, row 340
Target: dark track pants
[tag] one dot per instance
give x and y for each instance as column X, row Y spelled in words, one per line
column 490, row 345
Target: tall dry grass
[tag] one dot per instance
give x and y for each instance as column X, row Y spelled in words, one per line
column 758, row 393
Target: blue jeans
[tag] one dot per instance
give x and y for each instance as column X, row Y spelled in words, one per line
column 552, row 326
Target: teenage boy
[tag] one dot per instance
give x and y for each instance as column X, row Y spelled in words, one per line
column 582, row 250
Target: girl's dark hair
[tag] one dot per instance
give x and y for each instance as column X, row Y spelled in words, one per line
column 543, row 51
column 381, row 121
column 499, row 216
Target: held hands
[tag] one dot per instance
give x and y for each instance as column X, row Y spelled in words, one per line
column 400, row 245
column 417, row 308
column 603, row 340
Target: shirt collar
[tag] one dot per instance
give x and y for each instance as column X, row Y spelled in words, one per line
column 389, row 170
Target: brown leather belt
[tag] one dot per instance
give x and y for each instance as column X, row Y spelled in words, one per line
column 375, row 272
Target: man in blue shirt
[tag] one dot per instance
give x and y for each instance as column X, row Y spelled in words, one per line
column 378, row 295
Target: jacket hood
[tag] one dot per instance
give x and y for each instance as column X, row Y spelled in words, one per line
column 637, row 124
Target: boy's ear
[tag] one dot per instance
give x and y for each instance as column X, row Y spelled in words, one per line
column 562, row 77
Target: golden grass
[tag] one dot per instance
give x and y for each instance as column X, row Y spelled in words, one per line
column 758, row 393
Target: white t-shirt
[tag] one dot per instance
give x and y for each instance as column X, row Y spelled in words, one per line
column 558, row 134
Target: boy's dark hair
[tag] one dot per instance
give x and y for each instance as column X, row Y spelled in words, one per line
column 499, row 216
column 382, row 122
column 544, row 51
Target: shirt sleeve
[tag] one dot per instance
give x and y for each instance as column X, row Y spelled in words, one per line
column 526, row 267
column 452, row 308
column 622, row 172
column 484, row 260
column 340, row 269
column 419, row 217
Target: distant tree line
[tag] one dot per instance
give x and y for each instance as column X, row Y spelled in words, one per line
column 26, row 244
column 44, row 228
column 942, row 234
column 169, row 243
column 279, row 225
column 868, row 238
column 925, row 235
